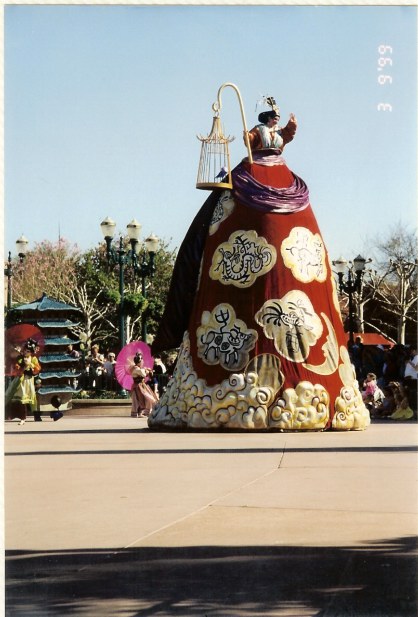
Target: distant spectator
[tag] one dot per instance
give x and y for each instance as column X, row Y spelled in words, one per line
column 390, row 369
column 95, row 365
column 109, row 368
column 72, row 352
column 356, row 353
column 159, row 366
column 161, row 376
column 403, row 411
column 411, row 364
column 411, row 376
column 379, row 360
column 369, row 385
column 388, row 404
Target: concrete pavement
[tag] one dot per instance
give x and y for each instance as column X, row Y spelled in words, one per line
column 104, row 517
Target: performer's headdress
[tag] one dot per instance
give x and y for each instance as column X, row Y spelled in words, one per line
column 30, row 345
column 273, row 113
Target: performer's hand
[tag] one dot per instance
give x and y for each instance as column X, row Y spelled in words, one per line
column 293, row 118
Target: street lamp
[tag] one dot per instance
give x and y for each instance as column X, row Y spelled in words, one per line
column 144, row 268
column 21, row 246
column 355, row 271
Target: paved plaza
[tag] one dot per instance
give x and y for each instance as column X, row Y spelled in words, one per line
column 104, row 517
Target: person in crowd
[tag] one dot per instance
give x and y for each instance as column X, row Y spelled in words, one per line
column 402, row 411
column 160, row 375
column 356, row 353
column 379, row 360
column 372, row 395
column 387, row 406
column 95, row 362
column 390, row 369
column 72, row 352
column 369, row 386
column 411, row 364
column 159, row 366
column 109, row 369
column 410, row 376
column 21, row 394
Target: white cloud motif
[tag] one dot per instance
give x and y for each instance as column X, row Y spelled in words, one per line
column 304, row 253
column 292, row 324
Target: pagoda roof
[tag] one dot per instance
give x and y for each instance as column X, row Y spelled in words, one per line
column 58, row 390
column 59, row 374
column 59, row 340
column 57, row 323
column 49, row 358
column 46, row 304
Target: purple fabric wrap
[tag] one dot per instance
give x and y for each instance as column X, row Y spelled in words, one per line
column 268, row 198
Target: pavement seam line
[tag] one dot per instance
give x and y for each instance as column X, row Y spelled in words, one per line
column 208, row 505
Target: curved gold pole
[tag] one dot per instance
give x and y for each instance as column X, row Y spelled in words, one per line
column 247, row 141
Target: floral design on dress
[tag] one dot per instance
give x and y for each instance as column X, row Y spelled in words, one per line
column 223, row 339
column 223, row 209
column 292, row 324
column 243, row 258
column 304, row 253
column 350, row 410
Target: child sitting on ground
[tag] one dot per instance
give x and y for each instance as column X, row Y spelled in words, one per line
column 403, row 410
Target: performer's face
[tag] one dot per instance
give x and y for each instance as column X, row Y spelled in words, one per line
column 272, row 122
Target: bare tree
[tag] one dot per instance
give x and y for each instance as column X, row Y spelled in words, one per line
column 393, row 284
column 49, row 268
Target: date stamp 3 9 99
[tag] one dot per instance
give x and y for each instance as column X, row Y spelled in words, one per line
column 384, row 78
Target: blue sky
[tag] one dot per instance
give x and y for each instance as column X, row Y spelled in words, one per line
column 103, row 105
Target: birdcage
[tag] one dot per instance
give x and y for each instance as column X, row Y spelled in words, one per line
column 214, row 165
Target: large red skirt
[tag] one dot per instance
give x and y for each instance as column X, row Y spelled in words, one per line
column 264, row 347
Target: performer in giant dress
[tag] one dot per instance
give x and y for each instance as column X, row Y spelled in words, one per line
column 253, row 307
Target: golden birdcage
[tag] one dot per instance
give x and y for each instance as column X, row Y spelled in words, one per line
column 214, row 165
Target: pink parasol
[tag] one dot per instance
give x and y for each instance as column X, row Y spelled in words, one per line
column 125, row 362
column 15, row 339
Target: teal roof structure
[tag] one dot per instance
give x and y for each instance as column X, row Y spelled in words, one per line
column 63, row 323
column 46, row 304
column 49, row 358
column 60, row 375
column 59, row 340
column 58, row 390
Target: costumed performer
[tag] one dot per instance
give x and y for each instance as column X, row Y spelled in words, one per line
column 20, row 396
column 142, row 396
column 253, row 306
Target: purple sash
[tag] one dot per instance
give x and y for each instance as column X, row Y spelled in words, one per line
column 268, row 198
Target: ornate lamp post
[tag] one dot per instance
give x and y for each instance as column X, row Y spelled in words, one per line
column 351, row 285
column 144, row 268
column 21, row 246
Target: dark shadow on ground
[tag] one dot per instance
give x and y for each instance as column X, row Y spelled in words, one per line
column 377, row 580
column 371, row 449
